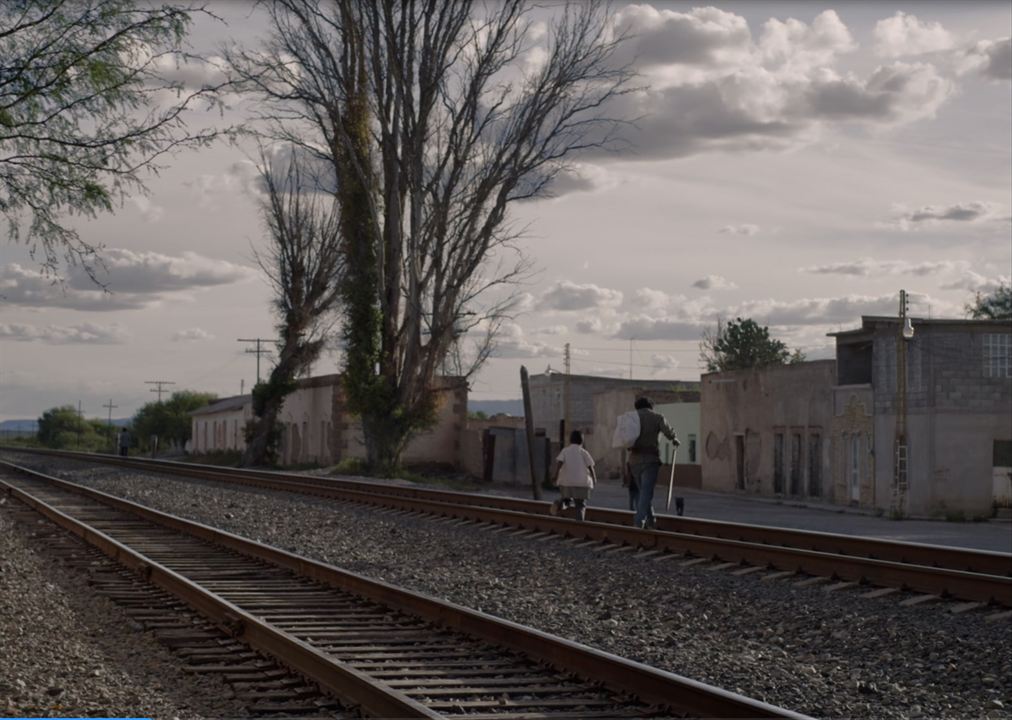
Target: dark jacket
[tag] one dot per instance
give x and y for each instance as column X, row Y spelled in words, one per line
column 646, row 448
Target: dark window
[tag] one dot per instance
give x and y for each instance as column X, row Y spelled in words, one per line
column 778, row 463
column 739, row 446
column 795, row 463
column 853, row 363
column 692, row 448
column 1003, row 453
column 814, row 465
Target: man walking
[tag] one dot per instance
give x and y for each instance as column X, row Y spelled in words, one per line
column 645, row 460
column 124, row 441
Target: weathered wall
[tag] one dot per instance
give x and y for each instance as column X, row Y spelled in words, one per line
column 742, row 412
column 225, row 430
column 308, row 421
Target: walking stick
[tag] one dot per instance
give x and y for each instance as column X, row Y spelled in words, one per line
column 671, row 482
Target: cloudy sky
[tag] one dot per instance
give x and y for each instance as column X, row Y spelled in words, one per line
column 797, row 163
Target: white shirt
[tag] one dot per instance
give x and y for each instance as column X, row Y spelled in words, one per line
column 575, row 465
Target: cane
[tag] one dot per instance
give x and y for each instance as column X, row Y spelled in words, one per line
column 671, row 482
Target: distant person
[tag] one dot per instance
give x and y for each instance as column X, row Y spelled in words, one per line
column 645, row 461
column 575, row 477
column 124, row 441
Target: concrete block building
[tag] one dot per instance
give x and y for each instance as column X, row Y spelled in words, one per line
column 828, row 429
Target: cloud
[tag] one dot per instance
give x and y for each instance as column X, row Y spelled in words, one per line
column 190, row 72
column 191, row 335
column 591, row 326
column 868, row 266
column 644, row 327
column 511, row 343
column 712, row 87
column 821, row 311
column 151, row 273
column 134, row 280
column 746, row 229
column 552, row 330
column 650, row 299
column 991, row 58
column 975, row 282
column 661, row 363
column 83, row 334
column 714, row 282
column 932, row 214
column 581, row 177
column 904, row 34
column 148, row 210
column 568, row 296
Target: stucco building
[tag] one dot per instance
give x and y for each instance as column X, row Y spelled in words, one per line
column 318, row 428
column 828, row 429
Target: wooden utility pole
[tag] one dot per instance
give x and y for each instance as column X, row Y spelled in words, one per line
column 110, row 407
column 525, row 386
column 158, row 386
column 258, row 352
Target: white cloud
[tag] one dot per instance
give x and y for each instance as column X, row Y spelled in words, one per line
column 552, row 330
column 590, row 326
column 148, row 210
column 569, row 296
column 190, row 72
column 975, row 282
column 714, row 282
column 650, row 299
column 83, row 334
column 822, row 311
column 662, row 363
column 991, row 58
column 510, row 342
column 644, row 327
column 904, row 34
column 747, row 229
column 134, row 280
column 906, row 219
column 191, row 335
column 870, row 266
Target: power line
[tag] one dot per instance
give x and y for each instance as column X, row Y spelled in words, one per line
column 258, row 352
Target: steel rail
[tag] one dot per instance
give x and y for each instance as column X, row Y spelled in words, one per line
column 939, row 556
column 658, row 687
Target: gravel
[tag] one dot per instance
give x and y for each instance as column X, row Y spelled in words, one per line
column 64, row 652
column 823, row 654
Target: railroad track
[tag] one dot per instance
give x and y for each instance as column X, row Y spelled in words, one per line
column 977, row 578
column 382, row 649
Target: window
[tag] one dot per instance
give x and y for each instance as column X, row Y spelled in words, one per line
column 795, row 463
column 997, row 355
column 1002, row 453
column 814, row 465
column 692, row 448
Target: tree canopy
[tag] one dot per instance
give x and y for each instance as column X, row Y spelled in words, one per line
column 85, row 109
column 992, row 306
column 742, row 344
column 63, row 428
column 430, row 123
column 169, row 420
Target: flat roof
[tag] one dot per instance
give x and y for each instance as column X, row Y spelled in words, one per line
column 236, row 402
column 869, row 321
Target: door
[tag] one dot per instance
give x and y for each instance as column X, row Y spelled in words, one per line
column 854, row 468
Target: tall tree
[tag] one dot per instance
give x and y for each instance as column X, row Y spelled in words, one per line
column 433, row 125
column 303, row 264
column 992, row 306
column 742, row 344
column 83, row 112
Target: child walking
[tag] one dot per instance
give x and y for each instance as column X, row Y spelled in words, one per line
column 575, row 476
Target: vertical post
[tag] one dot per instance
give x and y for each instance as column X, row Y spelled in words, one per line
column 901, row 459
column 525, row 386
column 630, row 358
column 566, row 428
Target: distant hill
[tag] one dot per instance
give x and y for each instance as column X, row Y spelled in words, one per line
column 495, row 407
column 19, row 425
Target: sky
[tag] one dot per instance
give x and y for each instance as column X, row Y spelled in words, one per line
column 797, row 163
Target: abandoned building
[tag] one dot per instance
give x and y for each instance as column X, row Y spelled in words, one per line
column 318, row 428
column 829, row 429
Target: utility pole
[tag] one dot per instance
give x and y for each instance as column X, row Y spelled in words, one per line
column 158, row 389
column 904, row 334
column 110, row 407
column 566, row 358
column 630, row 358
column 258, row 352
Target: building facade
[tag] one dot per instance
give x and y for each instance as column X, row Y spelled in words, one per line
column 766, row 431
column 317, row 427
column 958, row 419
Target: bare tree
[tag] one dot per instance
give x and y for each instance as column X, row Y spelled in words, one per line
column 85, row 112
column 435, row 116
column 303, row 264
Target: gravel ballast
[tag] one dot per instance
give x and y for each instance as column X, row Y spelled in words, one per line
column 67, row 652
column 824, row 654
